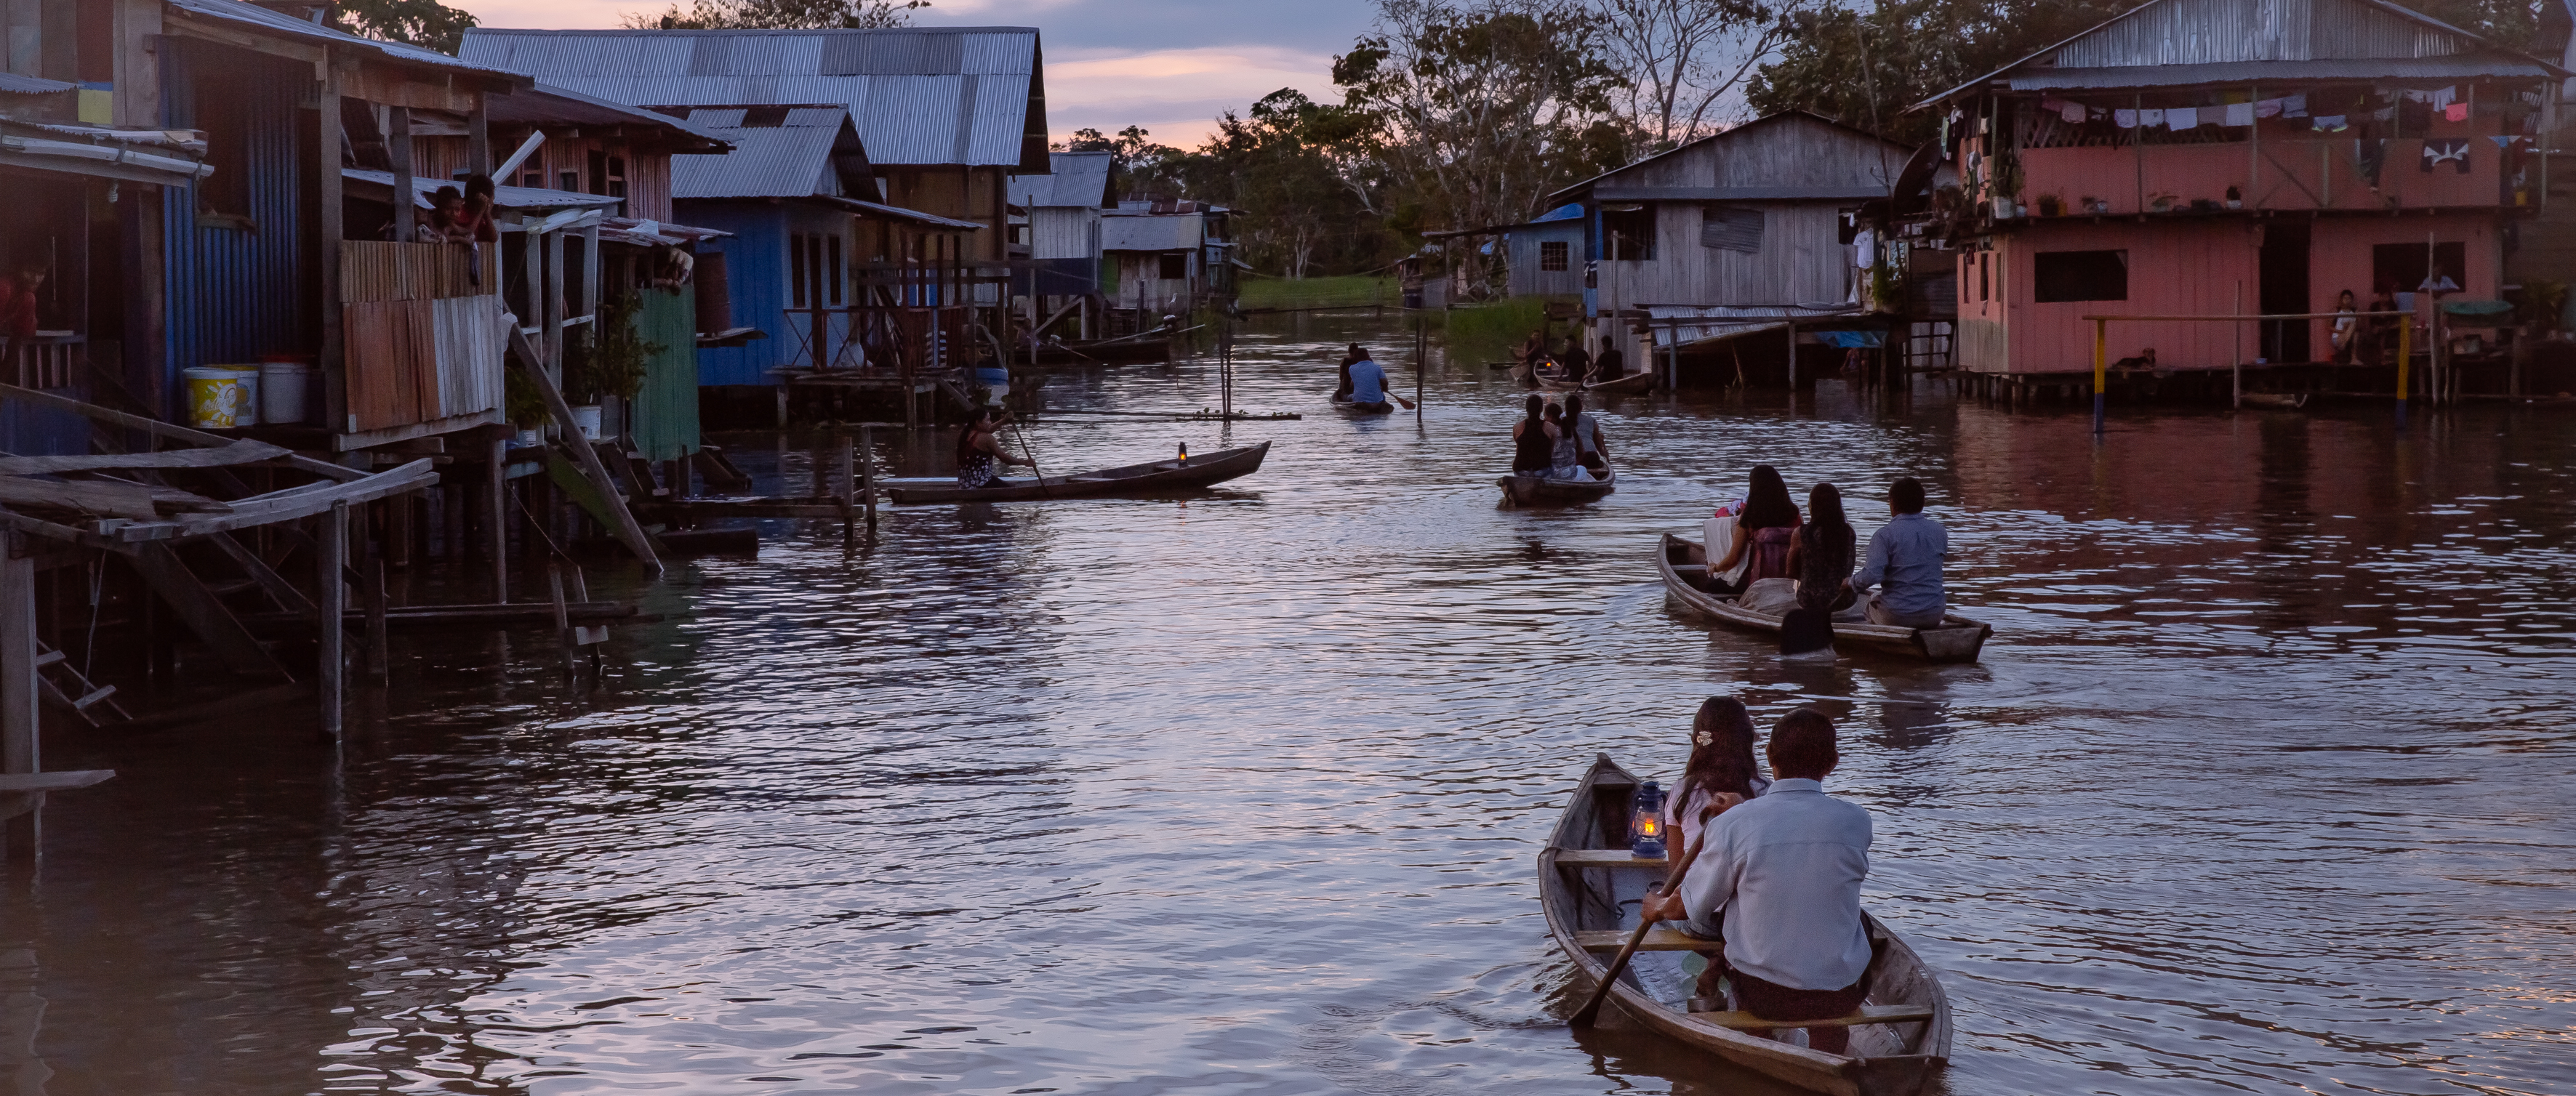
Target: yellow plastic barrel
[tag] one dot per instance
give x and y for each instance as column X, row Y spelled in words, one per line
column 221, row 397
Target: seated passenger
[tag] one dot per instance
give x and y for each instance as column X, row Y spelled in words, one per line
column 1368, row 385
column 1587, row 437
column 1342, row 394
column 1784, row 871
column 1820, row 556
column 980, row 455
column 1721, row 773
column 1565, row 457
column 1533, row 440
column 1905, row 563
column 1764, row 530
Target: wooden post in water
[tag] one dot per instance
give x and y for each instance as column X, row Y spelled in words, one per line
column 2236, row 351
column 18, row 683
column 867, row 475
column 497, row 478
column 331, row 603
column 2405, row 359
column 2101, row 369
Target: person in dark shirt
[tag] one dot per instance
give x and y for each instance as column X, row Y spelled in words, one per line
column 1610, row 366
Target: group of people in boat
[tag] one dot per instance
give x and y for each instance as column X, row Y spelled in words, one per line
column 1793, row 561
column 1775, row 885
column 1559, row 441
column 1572, row 363
column 1364, row 385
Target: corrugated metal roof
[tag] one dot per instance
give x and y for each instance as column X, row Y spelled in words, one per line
column 1151, row 232
column 263, row 21
column 521, row 198
column 2431, row 70
column 30, row 85
column 546, row 104
column 2267, row 40
column 1077, row 179
column 919, row 96
column 777, row 162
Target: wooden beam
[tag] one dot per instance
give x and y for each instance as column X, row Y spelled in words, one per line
column 280, row 506
column 622, row 525
column 158, row 428
column 245, row 451
column 205, row 614
column 63, row 781
column 1868, row 1014
column 82, row 537
column 18, row 692
column 113, row 500
column 279, row 590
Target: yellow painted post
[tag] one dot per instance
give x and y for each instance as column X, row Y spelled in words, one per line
column 2101, row 368
column 2405, row 357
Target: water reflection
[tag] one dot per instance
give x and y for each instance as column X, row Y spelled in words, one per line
column 2259, row 786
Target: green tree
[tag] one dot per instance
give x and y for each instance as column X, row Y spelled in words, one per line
column 425, row 23
column 778, row 15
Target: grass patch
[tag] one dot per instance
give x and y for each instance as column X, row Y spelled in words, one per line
column 1492, row 332
column 1347, row 290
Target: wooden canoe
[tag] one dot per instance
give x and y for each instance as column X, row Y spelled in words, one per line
column 1134, row 479
column 1684, row 565
column 1358, row 410
column 1588, row 884
column 1521, row 490
column 2281, row 400
column 1624, row 384
column 1125, row 350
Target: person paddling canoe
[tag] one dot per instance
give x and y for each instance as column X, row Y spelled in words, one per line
column 1368, row 386
column 980, row 456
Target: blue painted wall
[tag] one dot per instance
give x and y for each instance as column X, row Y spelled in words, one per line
column 234, row 294
column 756, row 268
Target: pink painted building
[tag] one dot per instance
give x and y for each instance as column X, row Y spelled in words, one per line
column 2230, row 157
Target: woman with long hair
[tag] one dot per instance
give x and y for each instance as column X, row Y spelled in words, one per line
column 1764, row 530
column 1565, row 456
column 1721, row 773
column 1533, row 440
column 1821, row 554
column 980, row 455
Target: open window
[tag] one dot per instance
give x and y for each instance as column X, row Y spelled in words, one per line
column 1628, row 233
column 1175, row 267
column 2062, row 276
column 2403, row 268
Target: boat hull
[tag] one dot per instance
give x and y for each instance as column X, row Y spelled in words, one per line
column 1134, row 479
column 1886, row 1059
column 1105, row 352
column 1542, row 491
column 1958, row 639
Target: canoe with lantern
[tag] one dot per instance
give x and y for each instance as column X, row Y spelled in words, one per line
column 1684, row 564
column 1589, row 884
column 1174, row 474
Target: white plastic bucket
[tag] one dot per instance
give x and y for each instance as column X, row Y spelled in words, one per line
column 281, row 391
column 221, row 397
column 586, row 419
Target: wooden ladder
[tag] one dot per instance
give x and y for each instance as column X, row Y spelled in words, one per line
column 66, row 687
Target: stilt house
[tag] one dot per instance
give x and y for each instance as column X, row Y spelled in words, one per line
column 1063, row 222
column 2233, row 157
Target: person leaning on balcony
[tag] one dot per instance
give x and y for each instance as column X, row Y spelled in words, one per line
column 2347, row 329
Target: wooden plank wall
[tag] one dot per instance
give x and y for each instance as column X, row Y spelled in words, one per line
column 424, row 339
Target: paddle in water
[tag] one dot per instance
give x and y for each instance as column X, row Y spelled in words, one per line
column 1592, row 1008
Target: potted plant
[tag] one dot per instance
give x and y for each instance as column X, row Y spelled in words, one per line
column 527, row 409
column 2051, row 205
column 607, row 361
column 2235, row 198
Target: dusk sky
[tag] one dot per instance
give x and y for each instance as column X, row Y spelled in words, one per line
column 1167, row 65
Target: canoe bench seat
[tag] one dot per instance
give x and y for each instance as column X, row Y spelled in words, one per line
column 1609, row 858
column 1868, row 1014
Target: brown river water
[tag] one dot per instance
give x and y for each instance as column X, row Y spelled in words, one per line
column 2261, row 786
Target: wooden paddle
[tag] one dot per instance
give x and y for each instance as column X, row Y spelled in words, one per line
column 1032, row 454
column 1592, row 1008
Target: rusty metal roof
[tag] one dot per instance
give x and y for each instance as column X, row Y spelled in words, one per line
column 1077, row 179
column 918, row 95
column 547, row 105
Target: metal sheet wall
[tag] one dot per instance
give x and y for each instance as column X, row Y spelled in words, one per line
column 664, row 416
column 756, row 262
column 234, row 294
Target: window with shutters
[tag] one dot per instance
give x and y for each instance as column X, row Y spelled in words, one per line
column 1552, row 254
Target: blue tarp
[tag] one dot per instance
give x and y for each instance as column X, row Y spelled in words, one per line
column 1853, row 340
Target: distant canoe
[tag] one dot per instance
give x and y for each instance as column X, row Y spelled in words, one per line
column 1122, row 351
column 1363, row 410
column 1633, row 382
column 1521, row 490
column 1588, row 884
column 1684, row 565
column 2278, row 400
column 1134, row 479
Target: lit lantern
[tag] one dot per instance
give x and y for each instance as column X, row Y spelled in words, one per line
column 1646, row 823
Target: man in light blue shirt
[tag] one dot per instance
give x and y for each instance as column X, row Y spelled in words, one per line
column 1368, row 385
column 1779, row 879
column 1904, row 561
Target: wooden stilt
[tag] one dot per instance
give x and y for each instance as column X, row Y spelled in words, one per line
column 380, row 652
column 867, row 477
column 332, row 598
column 18, row 684
column 497, row 513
